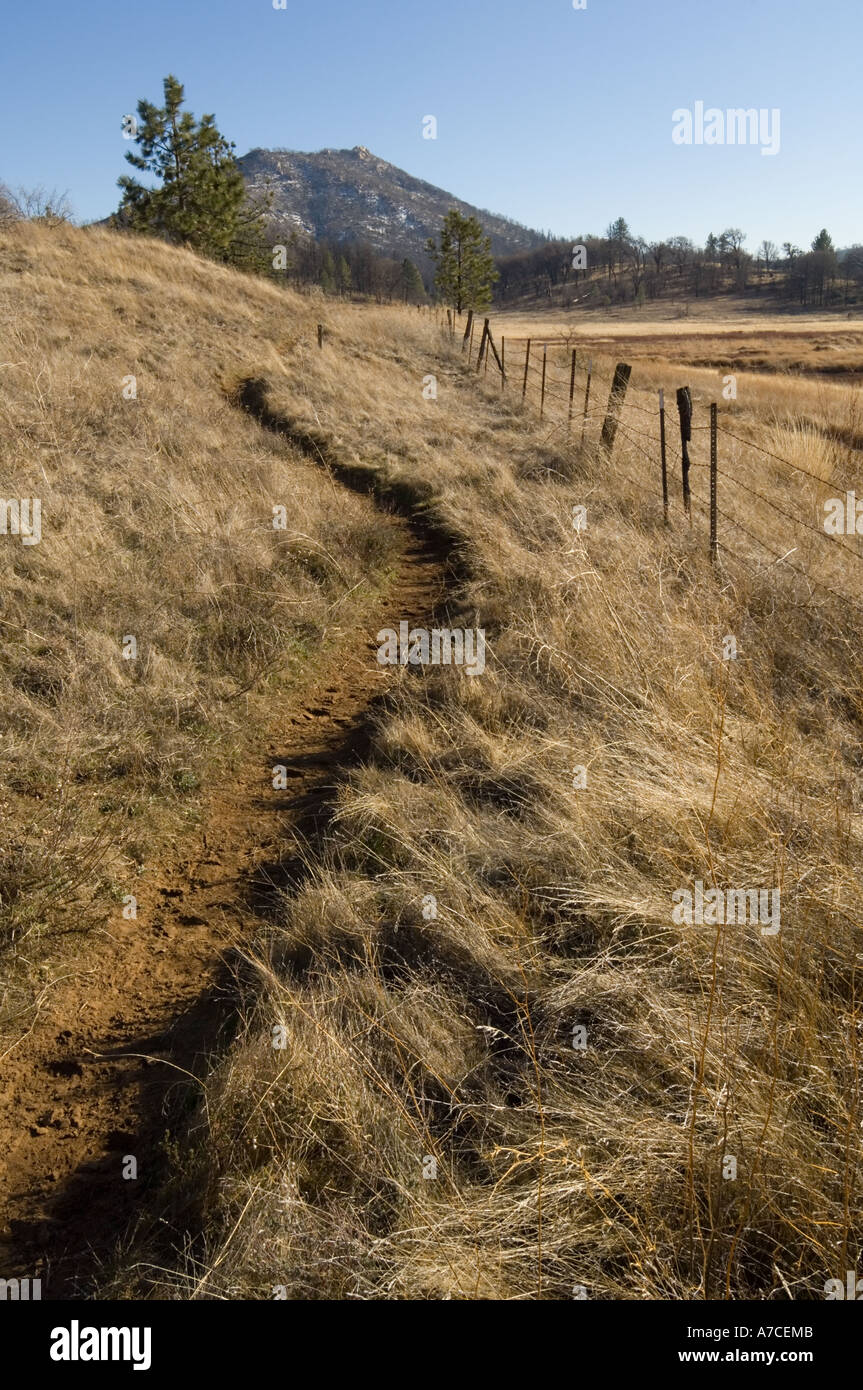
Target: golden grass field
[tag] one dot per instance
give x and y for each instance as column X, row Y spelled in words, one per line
column 711, row 334
column 534, row 1094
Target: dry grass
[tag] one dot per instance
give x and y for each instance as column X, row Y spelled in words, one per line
column 446, row 1045
column 157, row 522
column 430, row 1130
column 787, row 444
column 706, row 329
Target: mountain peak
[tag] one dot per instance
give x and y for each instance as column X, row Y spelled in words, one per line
column 352, row 195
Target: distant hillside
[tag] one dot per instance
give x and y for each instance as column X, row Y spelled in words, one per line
column 352, row 195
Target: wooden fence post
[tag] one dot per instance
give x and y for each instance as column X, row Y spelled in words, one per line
column 571, row 393
column 662, row 452
column 615, row 400
column 449, row 321
column 468, row 329
column 502, row 362
column 542, row 393
column 684, row 410
column 490, row 348
column 482, row 343
column 320, row 335
column 470, row 344
column 714, row 543
column 526, row 365
column 586, row 397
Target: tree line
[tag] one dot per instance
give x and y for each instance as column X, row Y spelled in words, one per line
column 342, row 267
column 621, row 268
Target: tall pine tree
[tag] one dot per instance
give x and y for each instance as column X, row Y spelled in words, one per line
column 465, row 266
column 411, row 285
column 201, row 198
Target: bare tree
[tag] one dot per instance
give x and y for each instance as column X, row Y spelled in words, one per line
column 681, row 249
column 659, row 253
column 9, row 210
column 39, row 205
column 768, row 253
column 732, row 239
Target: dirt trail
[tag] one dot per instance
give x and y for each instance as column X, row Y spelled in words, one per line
column 96, row 1076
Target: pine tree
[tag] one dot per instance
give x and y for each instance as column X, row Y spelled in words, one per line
column 411, row 285
column 344, row 276
column 465, row 266
column 202, row 198
column 328, row 272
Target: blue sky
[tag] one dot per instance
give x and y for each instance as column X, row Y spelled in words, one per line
column 560, row 118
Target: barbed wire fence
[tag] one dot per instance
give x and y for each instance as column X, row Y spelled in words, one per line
column 577, row 399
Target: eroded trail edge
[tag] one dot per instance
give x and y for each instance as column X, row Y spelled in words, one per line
column 111, row 1062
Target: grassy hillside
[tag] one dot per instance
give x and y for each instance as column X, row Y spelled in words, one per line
column 157, row 523
column 534, row 1091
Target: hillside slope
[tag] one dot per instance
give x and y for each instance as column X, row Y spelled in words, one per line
column 352, row 195
column 156, row 642
column 476, row 1054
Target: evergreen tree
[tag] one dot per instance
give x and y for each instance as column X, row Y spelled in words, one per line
column 201, row 198
column 344, row 276
column 411, row 285
column 328, row 272
column 618, row 231
column 465, row 269
column 823, row 241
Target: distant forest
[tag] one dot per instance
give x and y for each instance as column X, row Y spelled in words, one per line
column 620, row 268
column 347, row 268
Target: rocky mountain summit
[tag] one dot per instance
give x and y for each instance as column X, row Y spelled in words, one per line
column 352, row 195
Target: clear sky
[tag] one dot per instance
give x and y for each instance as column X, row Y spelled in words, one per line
column 560, row 118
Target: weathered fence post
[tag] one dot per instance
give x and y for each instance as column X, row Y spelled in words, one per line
column 571, row 393
column 615, row 400
column 662, row 453
column 320, row 335
column 586, row 397
column 490, row 348
column 684, row 410
column 542, row 394
column 470, row 344
column 482, row 343
column 449, row 321
column 468, row 329
column 502, row 362
column 714, row 544
column 526, row 365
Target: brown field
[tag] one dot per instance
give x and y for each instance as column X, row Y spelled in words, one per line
column 534, row 1090
column 709, row 337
